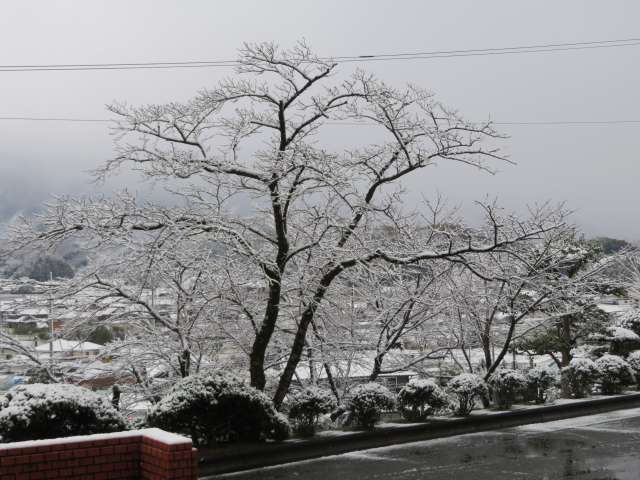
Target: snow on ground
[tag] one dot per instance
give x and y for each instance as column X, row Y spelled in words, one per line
column 489, row 454
column 580, row 422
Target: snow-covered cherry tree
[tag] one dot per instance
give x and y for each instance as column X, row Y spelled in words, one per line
column 250, row 166
column 520, row 294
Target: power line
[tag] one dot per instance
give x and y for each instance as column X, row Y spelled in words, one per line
column 420, row 55
column 521, row 47
column 347, row 123
column 572, row 122
column 526, row 123
column 483, row 53
column 57, row 119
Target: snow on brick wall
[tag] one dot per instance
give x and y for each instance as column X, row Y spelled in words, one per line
column 149, row 454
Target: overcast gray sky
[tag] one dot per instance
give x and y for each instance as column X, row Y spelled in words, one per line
column 594, row 168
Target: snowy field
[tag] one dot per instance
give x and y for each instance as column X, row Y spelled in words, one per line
column 596, row 447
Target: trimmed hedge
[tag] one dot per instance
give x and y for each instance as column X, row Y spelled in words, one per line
column 615, row 373
column 217, row 408
column 539, row 381
column 306, row 406
column 467, row 388
column 38, row 411
column 506, row 385
column 420, row 398
column 367, row 402
column 579, row 376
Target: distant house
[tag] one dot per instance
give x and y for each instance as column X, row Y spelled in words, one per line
column 358, row 370
column 69, row 349
column 25, row 320
column 40, row 313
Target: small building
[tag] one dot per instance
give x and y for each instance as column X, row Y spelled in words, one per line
column 358, row 370
column 69, row 350
column 25, row 321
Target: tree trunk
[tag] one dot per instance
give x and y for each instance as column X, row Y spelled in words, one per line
column 294, row 357
column 184, row 361
column 332, row 382
column 312, row 370
column 486, row 349
column 325, row 365
column 263, row 337
column 555, row 359
column 466, row 357
column 565, row 356
column 299, row 340
column 566, row 337
column 377, row 367
column 503, row 351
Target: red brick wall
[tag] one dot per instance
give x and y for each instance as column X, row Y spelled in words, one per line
column 149, row 454
column 161, row 461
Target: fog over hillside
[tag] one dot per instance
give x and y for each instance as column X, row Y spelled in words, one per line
column 570, row 116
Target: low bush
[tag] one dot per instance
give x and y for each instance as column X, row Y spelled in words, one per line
column 615, row 373
column 623, row 340
column 506, row 385
column 634, row 362
column 279, row 428
column 420, row 398
column 306, row 406
column 467, row 388
column 539, row 381
column 551, row 395
column 215, row 408
column 631, row 320
column 37, row 411
column 579, row 376
column 367, row 402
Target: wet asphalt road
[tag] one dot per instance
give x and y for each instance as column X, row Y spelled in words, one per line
column 597, row 447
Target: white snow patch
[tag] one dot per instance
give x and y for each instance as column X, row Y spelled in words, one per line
column 153, row 433
column 367, row 455
column 579, row 422
column 613, row 308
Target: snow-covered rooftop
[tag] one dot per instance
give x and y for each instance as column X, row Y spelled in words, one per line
column 62, row 345
column 361, row 365
column 609, row 308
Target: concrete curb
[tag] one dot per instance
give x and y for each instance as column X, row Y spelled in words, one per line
column 234, row 458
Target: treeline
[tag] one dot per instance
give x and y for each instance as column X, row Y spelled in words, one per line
column 63, row 262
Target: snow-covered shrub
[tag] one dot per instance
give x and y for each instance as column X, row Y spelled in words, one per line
column 467, row 387
column 631, row 320
column 579, row 376
column 634, row 362
column 551, row 395
column 505, row 386
column 623, row 340
column 596, row 351
column 36, row 411
column 539, row 380
column 615, row 373
column 306, row 406
column 280, row 428
column 215, row 407
column 419, row 398
column 367, row 402
column 135, row 423
column 340, row 415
